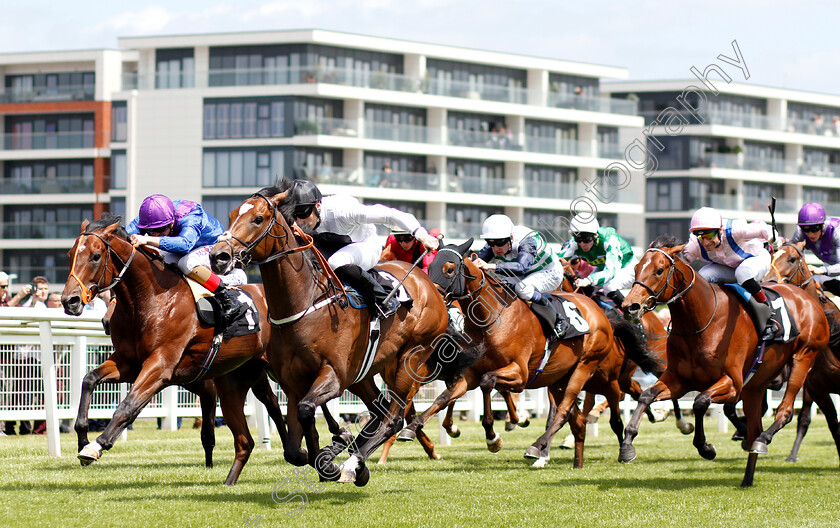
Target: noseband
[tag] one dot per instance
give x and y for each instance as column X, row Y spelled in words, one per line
column 87, row 293
column 244, row 255
column 799, row 269
column 653, row 299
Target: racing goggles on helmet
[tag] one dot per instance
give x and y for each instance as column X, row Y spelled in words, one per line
column 706, row 234
column 584, row 238
column 497, row 242
column 303, row 210
column 816, row 228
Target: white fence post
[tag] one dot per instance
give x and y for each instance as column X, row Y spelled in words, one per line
column 263, row 427
column 78, row 370
column 50, row 388
column 722, row 421
column 170, row 409
column 443, row 438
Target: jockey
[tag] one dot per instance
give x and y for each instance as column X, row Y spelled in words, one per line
column 185, row 234
column 735, row 250
column 603, row 248
column 822, row 237
column 347, row 226
column 519, row 254
column 401, row 245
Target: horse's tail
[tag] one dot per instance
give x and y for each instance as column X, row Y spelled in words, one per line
column 632, row 337
column 452, row 355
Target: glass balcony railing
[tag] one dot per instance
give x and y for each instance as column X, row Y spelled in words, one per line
column 825, row 170
column 567, row 147
column 384, row 231
column 326, row 126
column 742, row 120
column 610, row 150
column 372, row 178
column 552, row 190
column 22, row 230
column 73, row 184
column 478, row 185
column 742, row 162
column 392, row 132
column 463, row 229
column 818, row 127
column 81, row 92
column 831, row 209
column 470, row 90
column 592, row 104
column 472, row 138
column 47, row 140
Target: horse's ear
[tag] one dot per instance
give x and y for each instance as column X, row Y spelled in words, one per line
column 85, row 224
column 800, row 246
column 463, row 248
column 111, row 229
column 674, row 251
column 279, row 197
column 232, row 216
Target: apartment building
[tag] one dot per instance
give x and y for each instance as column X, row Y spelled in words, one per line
column 734, row 150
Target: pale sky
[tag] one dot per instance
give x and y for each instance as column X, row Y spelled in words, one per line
column 785, row 44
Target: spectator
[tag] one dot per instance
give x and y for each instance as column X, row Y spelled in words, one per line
column 99, row 305
column 39, row 296
column 54, row 300
column 7, row 299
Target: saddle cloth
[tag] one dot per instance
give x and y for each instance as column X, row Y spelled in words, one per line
column 784, row 328
column 566, row 309
column 209, row 312
column 388, row 281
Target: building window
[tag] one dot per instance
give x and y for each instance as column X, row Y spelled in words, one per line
column 550, row 137
column 464, row 221
column 59, row 131
column 677, row 227
column 119, row 121
column 47, row 177
column 553, row 225
column 117, row 208
column 395, row 123
column 477, row 81
column 244, row 118
column 175, row 68
column 568, row 91
column 242, row 167
column 66, row 86
column 472, row 176
column 28, row 221
column 476, row 130
column 118, row 169
column 30, row 263
column 398, row 171
column 673, row 194
column 551, row 182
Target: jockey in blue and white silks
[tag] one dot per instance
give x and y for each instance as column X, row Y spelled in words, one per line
column 822, row 237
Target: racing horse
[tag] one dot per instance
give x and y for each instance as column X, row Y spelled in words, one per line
column 322, row 343
column 712, row 349
column 789, row 266
column 159, row 341
column 515, row 344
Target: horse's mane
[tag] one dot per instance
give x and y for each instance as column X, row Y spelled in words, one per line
column 107, row 220
column 666, row 241
column 287, row 206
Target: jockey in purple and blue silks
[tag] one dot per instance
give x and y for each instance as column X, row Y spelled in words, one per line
column 185, row 234
column 735, row 252
column 822, row 237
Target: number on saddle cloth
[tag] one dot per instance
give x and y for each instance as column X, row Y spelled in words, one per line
column 560, row 313
column 247, row 323
column 783, row 324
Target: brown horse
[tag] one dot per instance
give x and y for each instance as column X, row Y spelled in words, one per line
column 159, row 341
column 322, row 342
column 712, row 348
column 824, row 379
column 515, row 345
column 656, row 338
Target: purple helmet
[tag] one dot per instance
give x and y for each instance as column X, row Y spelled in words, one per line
column 156, row 211
column 811, row 214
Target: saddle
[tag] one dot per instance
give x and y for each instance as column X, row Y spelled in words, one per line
column 560, row 318
column 781, row 323
column 210, row 312
column 388, row 282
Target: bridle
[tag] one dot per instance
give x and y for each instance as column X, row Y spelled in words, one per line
column 448, row 293
column 799, row 269
column 87, row 293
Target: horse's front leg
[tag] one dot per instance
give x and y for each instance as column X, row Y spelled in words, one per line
column 232, row 392
column 507, row 378
column 107, row 371
column 668, row 386
column 149, row 382
column 803, row 421
column 206, row 392
column 445, row 398
column 723, row 391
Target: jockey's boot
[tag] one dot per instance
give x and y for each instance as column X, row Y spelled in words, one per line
column 763, row 310
column 456, row 319
column 373, row 292
column 618, row 298
column 229, row 305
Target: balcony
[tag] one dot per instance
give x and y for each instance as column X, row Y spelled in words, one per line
column 816, row 127
column 552, row 190
column 392, row 132
column 48, row 140
column 478, row 91
column 482, row 185
column 476, row 139
column 73, row 184
column 39, row 230
column 326, row 126
column 592, row 104
column 742, row 162
column 742, row 120
column 823, row 170
column 49, row 94
column 463, row 229
column 565, row 147
column 611, row 150
column 370, row 178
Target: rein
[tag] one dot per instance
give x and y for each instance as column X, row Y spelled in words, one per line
column 87, row 293
column 799, row 269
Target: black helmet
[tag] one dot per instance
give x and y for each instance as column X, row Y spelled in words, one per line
column 304, row 192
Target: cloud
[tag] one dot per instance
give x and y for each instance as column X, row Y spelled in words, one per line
column 152, row 19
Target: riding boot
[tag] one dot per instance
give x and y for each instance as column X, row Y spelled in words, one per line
column 763, row 312
column 230, row 306
column 367, row 285
column 618, row 298
column 456, row 319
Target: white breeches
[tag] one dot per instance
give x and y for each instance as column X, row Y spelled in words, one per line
column 750, row 268
column 201, row 257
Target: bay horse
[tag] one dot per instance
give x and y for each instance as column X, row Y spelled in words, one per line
column 823, row 380
column 159, row 341
column 515, row 344
column 656, row 338
column 322, row 342
column 712, row 347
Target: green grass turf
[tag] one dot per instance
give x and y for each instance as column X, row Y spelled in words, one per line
column 158, row 479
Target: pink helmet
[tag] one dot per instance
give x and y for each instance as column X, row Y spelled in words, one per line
column 705, row 218
column 811, row 214
column 156, row 211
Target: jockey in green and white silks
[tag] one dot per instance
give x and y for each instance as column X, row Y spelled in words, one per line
column 520, row 256
column 606, row 250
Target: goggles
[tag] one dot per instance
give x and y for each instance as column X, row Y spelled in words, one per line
column 498, row 242
column 404, row 238
column 303, row 211
column 706, row 234
column 584, row 238
column 811, row 228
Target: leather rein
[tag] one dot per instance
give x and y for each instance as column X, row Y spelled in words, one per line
column 87, row 293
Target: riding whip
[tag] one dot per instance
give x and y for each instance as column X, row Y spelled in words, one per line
column 772, row 207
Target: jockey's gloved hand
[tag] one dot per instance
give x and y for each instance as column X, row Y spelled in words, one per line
column 583, row 283
column 817, row 270
column 431, row 243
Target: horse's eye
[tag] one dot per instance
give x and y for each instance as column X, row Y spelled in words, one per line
column 660, row 271
column 792, row 260
column 258, row 219
column 95, row 257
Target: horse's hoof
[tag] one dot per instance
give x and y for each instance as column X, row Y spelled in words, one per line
column 627, row 454
column 495, row 444
column 708, row 452
column 532, row 452
column 89, row 454
column 568, row 442
column 792, row 459
column 362, row 476
column 434, row 456
column 685, row 428
column 509, row 426
column 406, row 435
column 759, row 447
column 659, row 415
column 524, row 423
column 454, row 432
column 540, row 463
column 347, row 475
column 737, row 436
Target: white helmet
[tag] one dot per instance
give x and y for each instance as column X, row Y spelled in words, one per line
column 584, row 223
column 705, row 218
column 497, row 226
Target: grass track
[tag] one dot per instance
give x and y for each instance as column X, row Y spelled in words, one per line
column 158, row 479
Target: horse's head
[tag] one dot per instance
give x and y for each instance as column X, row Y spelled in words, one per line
column 789, row 265
column 95, row 265
column 655, row 282
column 449, row 268
column 258, row 228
